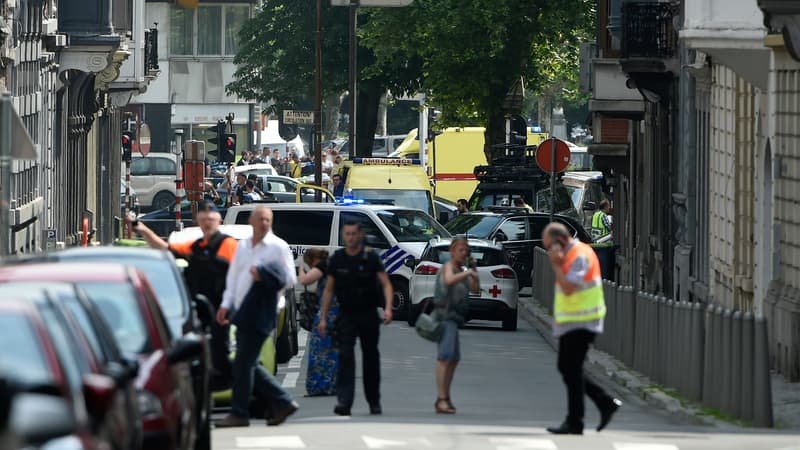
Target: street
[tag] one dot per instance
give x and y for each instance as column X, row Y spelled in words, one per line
column 506, row 389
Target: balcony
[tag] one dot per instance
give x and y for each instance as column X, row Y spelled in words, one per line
column 783, row 16
column 139, row 69
column 91, row 36
column 732, row 33
column 648, row 31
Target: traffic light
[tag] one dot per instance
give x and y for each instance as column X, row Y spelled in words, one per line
column 127, row 145
column 219, row 130
column 228, row 152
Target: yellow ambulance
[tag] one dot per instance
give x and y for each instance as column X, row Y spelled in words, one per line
column 388, row 181
column 452, row 157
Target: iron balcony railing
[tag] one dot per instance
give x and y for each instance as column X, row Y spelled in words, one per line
column 648, row 31
column 151, row 50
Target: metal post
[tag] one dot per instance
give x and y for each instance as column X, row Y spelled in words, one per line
column 318, row 104
column 552, row 178
column 508, row 128
column 178, row 178
column 353, row 77
column 5, row 173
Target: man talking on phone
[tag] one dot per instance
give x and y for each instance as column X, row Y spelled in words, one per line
column 578, row 315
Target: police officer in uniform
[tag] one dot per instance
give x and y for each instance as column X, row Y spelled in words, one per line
column 357, row 277
column 208, row 260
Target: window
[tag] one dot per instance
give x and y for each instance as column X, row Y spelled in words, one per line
column 21, row 355
column 210, row 30
column 303, row 227
column 163, row 166
column 512, row 230
column 140, row 166
column 119, row 306
column 473, row 225
column 372, row 234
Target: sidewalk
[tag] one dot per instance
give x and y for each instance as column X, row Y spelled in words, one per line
column 601, row 366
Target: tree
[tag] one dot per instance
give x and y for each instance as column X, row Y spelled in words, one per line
column 466, row 55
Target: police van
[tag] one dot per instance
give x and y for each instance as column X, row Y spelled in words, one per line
column 391, row 181
column 395, row 232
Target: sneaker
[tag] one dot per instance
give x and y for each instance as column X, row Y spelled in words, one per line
column 341, row 410
column 280, row 416
column 231, row 421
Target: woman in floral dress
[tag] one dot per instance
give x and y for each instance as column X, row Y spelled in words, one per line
column 323, row 358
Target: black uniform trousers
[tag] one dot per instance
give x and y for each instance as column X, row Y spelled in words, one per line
column 572, row 349
column 366, row 327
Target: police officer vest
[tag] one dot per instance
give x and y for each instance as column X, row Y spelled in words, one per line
column 206, row 271
column 587, row 303
column 599, row 228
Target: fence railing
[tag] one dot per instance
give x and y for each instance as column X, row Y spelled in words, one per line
column 710, row 355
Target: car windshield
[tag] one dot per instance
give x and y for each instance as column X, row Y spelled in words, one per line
column 416, row 199
column 485, row 200
column 563, row 200
column 473, row 225
column 21, row 357
column 575, row 194
column 118, row 304
column 409, row 225
column 484, row 256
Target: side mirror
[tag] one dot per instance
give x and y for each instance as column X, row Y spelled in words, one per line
column 589, row 207
column 444, row 217
column 99, row 392
column 204, row 311
column 38, row 418
column 184, row 349
column 500, row 237
column 411, row 263
column 122, row 372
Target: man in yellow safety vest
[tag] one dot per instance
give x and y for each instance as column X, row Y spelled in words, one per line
column 578, row 315
column 601, row 221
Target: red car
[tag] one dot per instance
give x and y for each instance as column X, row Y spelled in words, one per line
column 126, row 301
column 55, row 399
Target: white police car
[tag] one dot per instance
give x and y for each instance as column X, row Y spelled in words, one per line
column 498, row 296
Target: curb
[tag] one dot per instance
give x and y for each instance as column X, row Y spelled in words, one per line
column 606, row 370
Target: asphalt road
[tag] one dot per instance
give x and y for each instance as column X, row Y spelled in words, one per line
column 506, row 389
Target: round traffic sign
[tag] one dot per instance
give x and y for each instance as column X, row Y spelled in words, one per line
column 144, row 139
column 544, row 155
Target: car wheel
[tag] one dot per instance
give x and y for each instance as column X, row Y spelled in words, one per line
column 510, row 321
column 163, row 200
column 401, row 298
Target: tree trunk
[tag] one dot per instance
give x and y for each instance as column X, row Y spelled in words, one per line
column 330, row 120
column 383, row 106
column 369, row 96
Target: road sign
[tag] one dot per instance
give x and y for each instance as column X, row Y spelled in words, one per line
column 50, row 239
column 144, row 139
column 544, row 155
column 291, row 116
column 377, row 3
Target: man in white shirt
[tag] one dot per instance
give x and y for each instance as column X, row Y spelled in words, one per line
column 261, row 270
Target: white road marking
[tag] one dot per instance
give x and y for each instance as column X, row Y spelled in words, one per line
column 643, row 446
column 270, row 442
column 372, row 442
column 290, row 380
column 523, row 444
column 302, row 338
column 297, row 360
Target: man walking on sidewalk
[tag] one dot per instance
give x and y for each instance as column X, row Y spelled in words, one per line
column 578, row 315
column 357, row 277
column 262, row 268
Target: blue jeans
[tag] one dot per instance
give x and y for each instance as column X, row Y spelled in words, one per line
column 251, row 377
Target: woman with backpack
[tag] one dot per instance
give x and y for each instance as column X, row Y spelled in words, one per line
column 323, row 358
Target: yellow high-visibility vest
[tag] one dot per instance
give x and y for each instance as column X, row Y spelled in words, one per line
column 587, row 303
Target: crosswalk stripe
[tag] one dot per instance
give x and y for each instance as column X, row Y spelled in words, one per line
column 270, row 442
column 643, row 446
column 523, row 444
column 302, row 338
column 290, row 380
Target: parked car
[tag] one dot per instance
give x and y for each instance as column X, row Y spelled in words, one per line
column 153, row 178
column 126, row 300
column 184, row 315
column 260, row 169
column 43, row 350
column 517, row 230
column 498, row 295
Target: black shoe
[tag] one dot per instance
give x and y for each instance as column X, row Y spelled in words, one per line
column 607, row 412
column 375, row 409
column 341, row 410
column 232, row 421
column 280, row 416
column 566, row 428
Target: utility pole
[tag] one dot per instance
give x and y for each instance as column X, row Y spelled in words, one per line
column 353, row 77
column 318, row 103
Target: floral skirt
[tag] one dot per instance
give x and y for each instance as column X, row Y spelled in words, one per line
column 323, row 358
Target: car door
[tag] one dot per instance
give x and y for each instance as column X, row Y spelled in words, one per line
column 140, row 180
column 513, row 234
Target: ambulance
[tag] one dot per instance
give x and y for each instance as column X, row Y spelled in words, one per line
column 452, row 157
column 388, row 181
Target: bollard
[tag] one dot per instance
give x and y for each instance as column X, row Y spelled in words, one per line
column 727, row 366
column 736, row 365
column 697, row 339
column 682, row 354
column 630, row 312
column 667, row 341
column 639, row 324
column 748, row 351
column 708, row 351
column 717, row 358
column 762, row 385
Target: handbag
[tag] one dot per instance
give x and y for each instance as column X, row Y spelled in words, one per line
column 429, row 325
column 307, row 309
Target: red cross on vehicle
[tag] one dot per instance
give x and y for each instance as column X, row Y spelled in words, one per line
column 495, row 291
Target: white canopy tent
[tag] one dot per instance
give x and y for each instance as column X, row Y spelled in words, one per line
column 270, row 137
